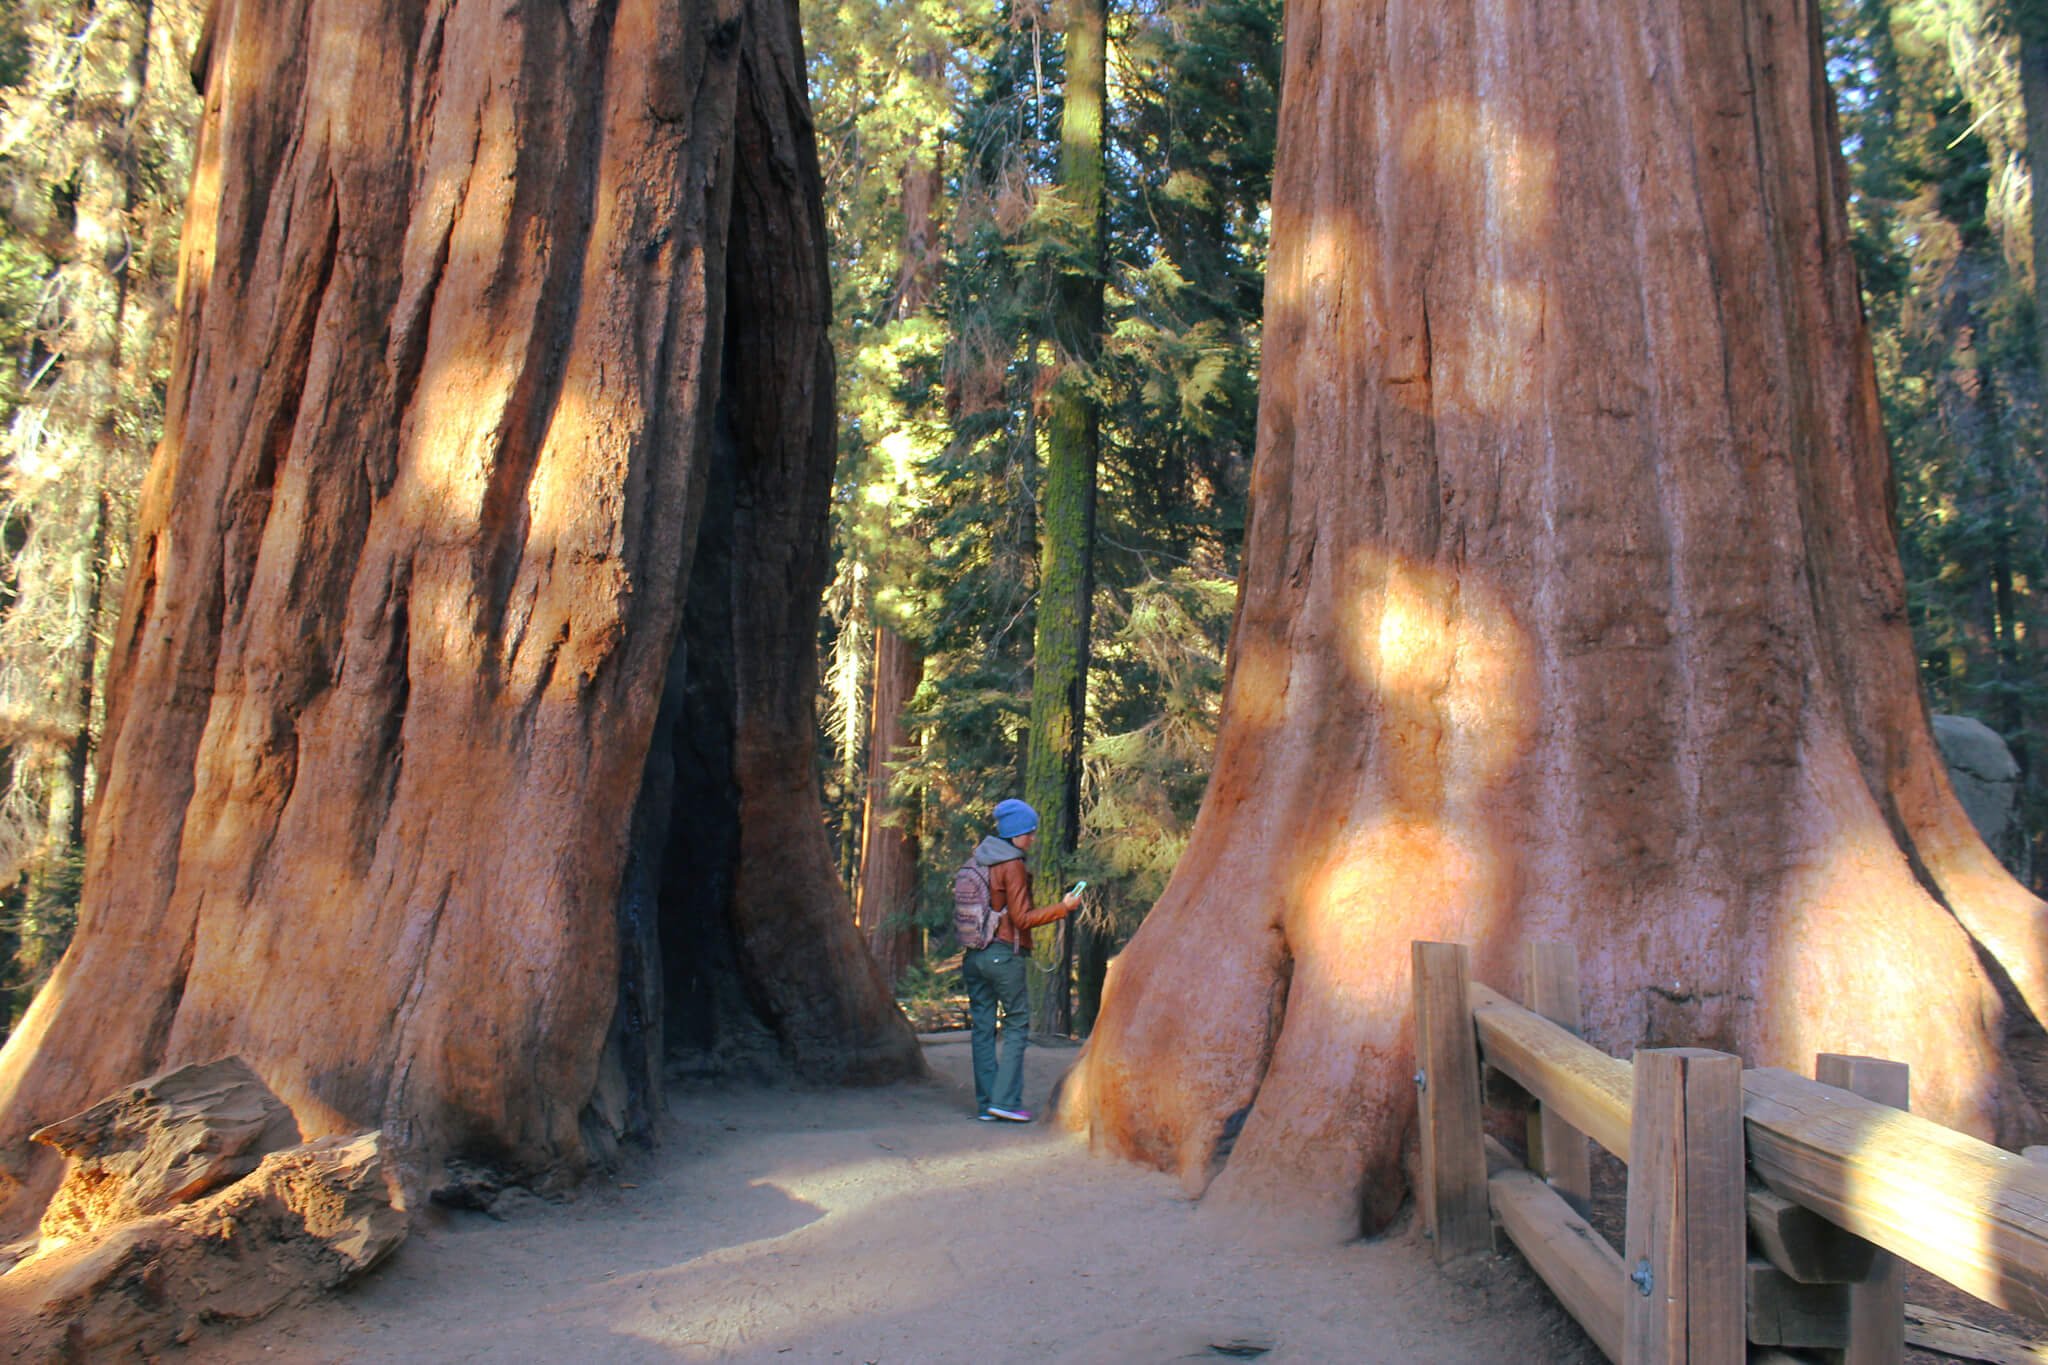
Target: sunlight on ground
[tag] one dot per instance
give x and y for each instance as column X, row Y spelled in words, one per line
column 849, row 1188
column 812, row 1287
column 780, row 1225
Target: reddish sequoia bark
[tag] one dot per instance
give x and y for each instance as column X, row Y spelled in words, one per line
column 412, row 563
column 888, row 850
column 1571, row 606
column 804, row 961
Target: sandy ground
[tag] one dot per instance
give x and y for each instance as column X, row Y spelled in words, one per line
column 889, row 1226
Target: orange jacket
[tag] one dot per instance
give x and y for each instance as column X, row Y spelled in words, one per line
column 1009, row 890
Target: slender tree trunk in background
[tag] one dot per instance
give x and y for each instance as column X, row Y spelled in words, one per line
column 2031, row 19
column 1571, row 608
column 1066, row 577
column 923, row 256
column 50, row 884
column 886, row 898
column 454, row 379
column 887, row 894
column 78, row 754
column 1091, row 975
column 2012, row 720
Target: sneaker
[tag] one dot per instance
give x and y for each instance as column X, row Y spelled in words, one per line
column 1009, row 1115
column 986, row 1117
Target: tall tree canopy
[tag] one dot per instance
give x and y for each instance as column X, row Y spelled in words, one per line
column 1571, row 606
column 476, row 382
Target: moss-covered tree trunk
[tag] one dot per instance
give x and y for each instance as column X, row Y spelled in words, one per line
column 1066, row 559
column 476, row 379
column 1571, row 608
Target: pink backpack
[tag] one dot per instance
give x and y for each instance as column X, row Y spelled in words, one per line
column 974, row 914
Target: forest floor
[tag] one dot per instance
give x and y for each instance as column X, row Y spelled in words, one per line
column 888, row 1226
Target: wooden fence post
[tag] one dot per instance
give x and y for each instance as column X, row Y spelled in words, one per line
column 1877, row 1304
column 1453, row 1194
column 1687, row 1230
column 1558, row 1152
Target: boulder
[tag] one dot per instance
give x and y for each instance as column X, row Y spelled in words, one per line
column 1986, row 778
column 162, row 1142
column 310, row 1219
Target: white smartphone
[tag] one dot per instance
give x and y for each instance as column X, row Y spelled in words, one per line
column 1079, row 887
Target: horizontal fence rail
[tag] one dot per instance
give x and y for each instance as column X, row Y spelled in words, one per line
column 1588, row 1089
column 1767, row 1212
column 1959, row 1208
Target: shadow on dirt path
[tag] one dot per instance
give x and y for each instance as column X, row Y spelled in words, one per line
column 888, row 1226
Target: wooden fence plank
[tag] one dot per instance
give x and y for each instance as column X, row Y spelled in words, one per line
column 1576, row 1262
column 1590, row 1090
column 1937, row 1331
column 1654, row 1247
column 1453, row 1162
column 1783, row 1312
column 1877, row 1306
column 1686, row 1222
column 1558, row 1152
column 1804, row 1245
column 1959, row 1208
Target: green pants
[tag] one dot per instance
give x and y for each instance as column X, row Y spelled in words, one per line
column 995, row 977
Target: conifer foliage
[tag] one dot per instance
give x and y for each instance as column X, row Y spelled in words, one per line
column 949, row 427
column 1935, row 100
column 96, row 115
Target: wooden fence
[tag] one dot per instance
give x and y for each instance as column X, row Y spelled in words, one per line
column 1767, row 1214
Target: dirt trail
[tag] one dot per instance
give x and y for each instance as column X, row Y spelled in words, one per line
column 888, row 1226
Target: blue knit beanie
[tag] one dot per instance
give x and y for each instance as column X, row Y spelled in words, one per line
column 1013, row 818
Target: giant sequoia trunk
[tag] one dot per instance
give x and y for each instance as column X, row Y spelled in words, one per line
column 495, row 317
column 1571, row 606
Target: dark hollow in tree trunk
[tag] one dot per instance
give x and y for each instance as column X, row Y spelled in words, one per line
column 457, row 367
column 1571, row 608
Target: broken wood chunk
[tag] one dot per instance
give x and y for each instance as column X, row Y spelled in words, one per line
column 311, row 1218
column 162, row 1142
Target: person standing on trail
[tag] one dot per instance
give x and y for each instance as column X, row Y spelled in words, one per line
column 995, row 974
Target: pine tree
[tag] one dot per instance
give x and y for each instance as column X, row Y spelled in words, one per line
column 95, row 145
